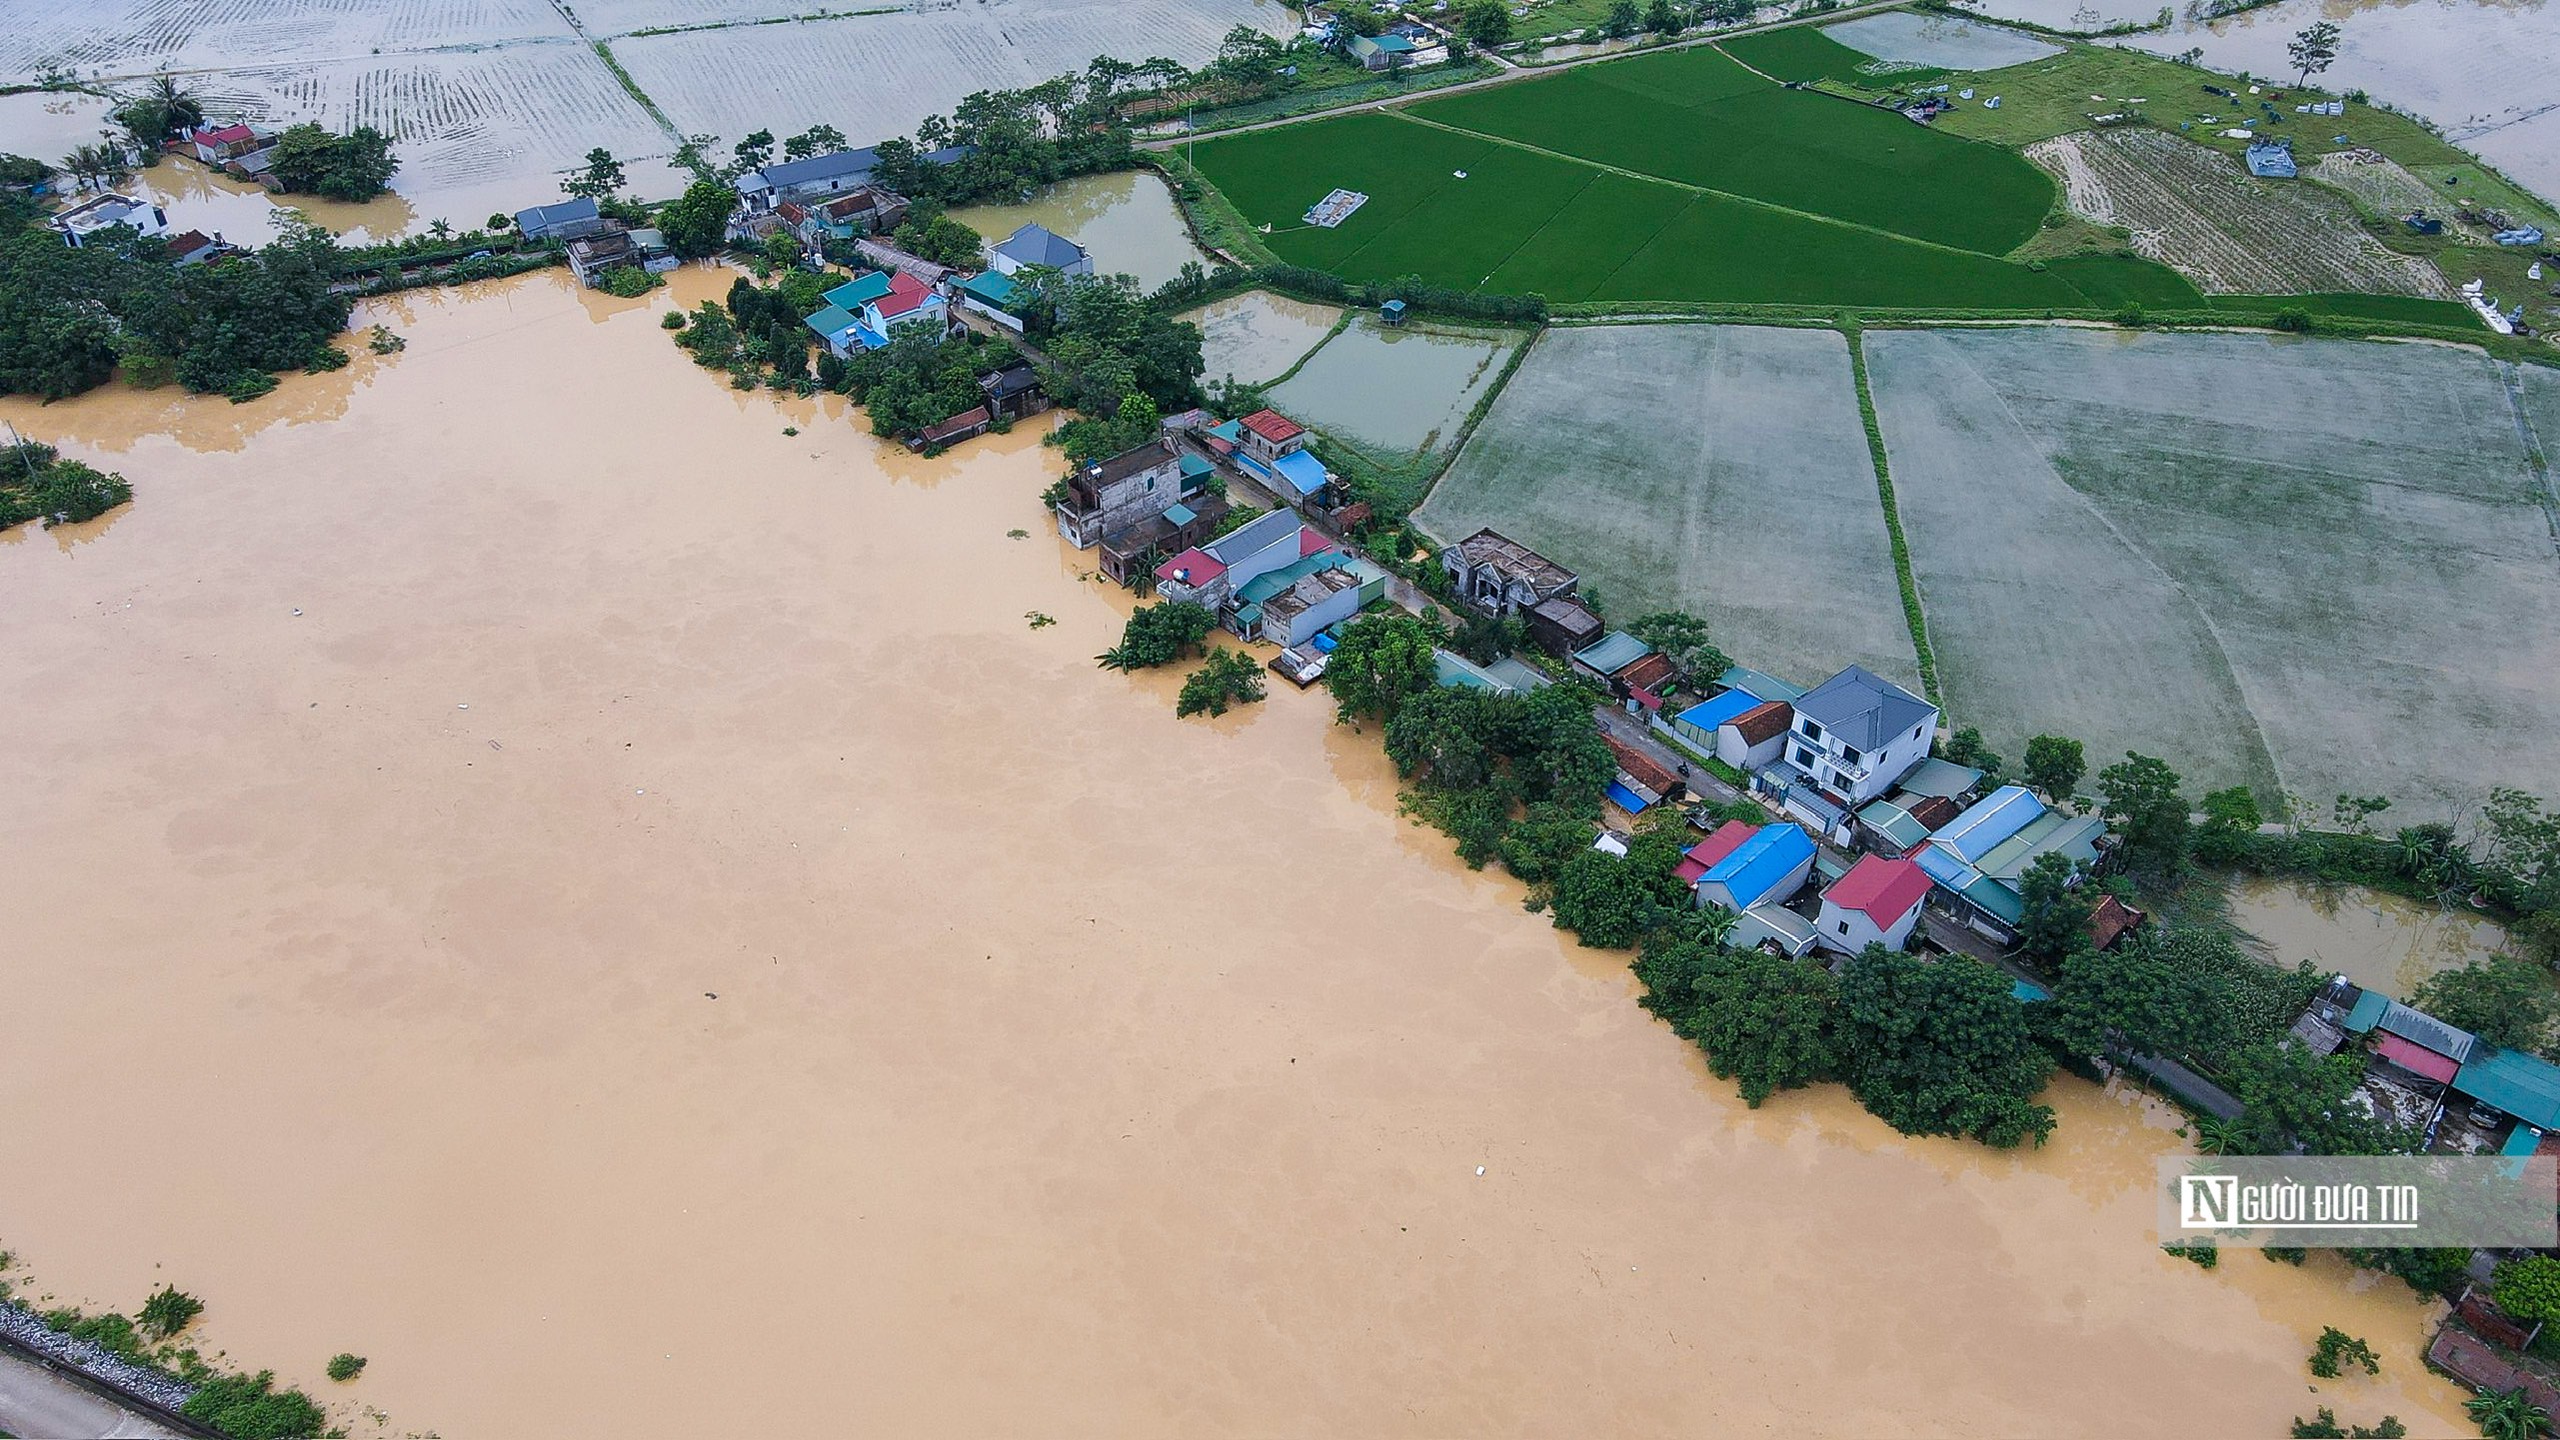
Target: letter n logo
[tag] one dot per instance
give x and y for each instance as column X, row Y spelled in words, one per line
column 2205, row 1201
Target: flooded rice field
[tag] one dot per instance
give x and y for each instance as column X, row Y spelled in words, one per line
column 1127, row 222
column 650, row 940
column 1403, row 389
column 2377, row 940
column 1257, row 336
column 1939, row 41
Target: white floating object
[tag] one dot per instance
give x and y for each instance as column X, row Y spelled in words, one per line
column 2253, row 89
column 1479, row 1169
column 1461, row 174
column 298, row 609
column 461, row 707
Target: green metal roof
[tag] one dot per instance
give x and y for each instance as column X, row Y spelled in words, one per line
column 831, row 322
column 859, row 291
column 997, row 290
column 1271, row 582
column 1895, row 823
column 2522, row 1085
column 1194, row 465
column 2367, row 1012
column 1180, row 514
column 1613, row 652
column 1457, row 670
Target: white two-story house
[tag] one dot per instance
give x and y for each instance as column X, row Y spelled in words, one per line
column 1857, row 732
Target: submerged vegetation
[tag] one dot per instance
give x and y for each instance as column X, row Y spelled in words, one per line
column 36, row 483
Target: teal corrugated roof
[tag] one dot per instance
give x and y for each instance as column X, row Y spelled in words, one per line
column 2522, row 1085
column 1767, row 687
column 859, row 291
column 1895, row 823
column 1194, row 465
column 1613, row 652
column 1180, row 515
column 1272, row 582
column 2368, row 1011
column 997, row 290
column 2521, row 1141
column 2028, row 992
column 1456, row 670
column 831, row 322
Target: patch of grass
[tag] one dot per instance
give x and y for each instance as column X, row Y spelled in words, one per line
column 1697, row 117
column 1334, row 83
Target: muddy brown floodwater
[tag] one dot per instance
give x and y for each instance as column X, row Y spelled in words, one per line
column 392, row 788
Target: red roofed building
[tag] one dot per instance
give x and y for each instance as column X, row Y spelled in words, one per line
column 1876, row 903
column 1647, row 773
column 214, row 144
column 2109, row 922
column 1702, row 857
column 1268, row 435
column 1193, row 568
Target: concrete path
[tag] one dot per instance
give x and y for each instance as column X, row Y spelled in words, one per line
column 37, row 1404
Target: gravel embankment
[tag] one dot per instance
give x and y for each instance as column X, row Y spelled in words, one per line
column 21, row 1325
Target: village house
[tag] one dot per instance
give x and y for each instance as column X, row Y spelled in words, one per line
column 865, row 311
column 193, row 247
column 219, row 144
column 1979, row 859
column 1561, row 625
column 1290, row 606
column 1039, row 245
column 1502, row 577
column 1901, row 822
column 1641, row 783
column 566, row 220
column 1767, row 868
column 615, row 247
column 1876, row 903
column 1212, row 572
column 1626, row 667
column 1857, row 732
column 1013, row 393
column 2111, row 921
column 1113, row 495
column 1408, row 45
column 864, row 211
column 967, row 425
column 995, row 296
column 99, row 213
column 1272, row 448
column 1751, row 740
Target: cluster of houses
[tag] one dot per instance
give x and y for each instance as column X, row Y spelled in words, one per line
column 1404, row 42
column 595, row 241
column 2465, row 1095
column 1888, row 830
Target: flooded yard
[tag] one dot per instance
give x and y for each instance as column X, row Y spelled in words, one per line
column 1403, row 389
column 1127, row 221
column 2377, row 940
column 576, row 856
column 1255, row 337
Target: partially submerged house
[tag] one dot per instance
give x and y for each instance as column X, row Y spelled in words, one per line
column 1112, row 495
column 864, row 312
column 1500, row 576
column 100, row 213
column 614, row 247
column 966, row 425
column 565, row 220
column 1014, row 393
column 1039, row 245
column 1272, row 448
column 1210, row 573
column 221, row 144
column 1876, row 903
column 1293, row 604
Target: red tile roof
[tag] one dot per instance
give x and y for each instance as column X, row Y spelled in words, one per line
column 2110, row 920
column 224, row 134
column 1311, row 541
column 1647, row 672
column 1273, row 426
column 1764, row 723
column 1883, row 890
column 1702, row 857
column 1646, row 770
column 187, row 242
column 906, row 292
column 1202, row 567
column 1934, row 812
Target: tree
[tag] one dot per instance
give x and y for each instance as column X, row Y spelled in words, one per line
column 1447, row 735
column 169, row 1310
column 753, row 153
column 2231, row 821
column 248, row 1407
column 1624, row 19
column 2313, row 48
column 1382, row 662
column 2291, row 1094
column 1763, row 1020
column 1966, row 747
column 695, row 222
column 1231, row 677
column 1604, row 900
column 1662, row 18
column 1159, row 635
column 600, row 181
column 345, row 1365
column 2054, row 766
column 2055, row 918
column 1487, row 22
column 2143, row 805
column 1682, row 637
column 937, row 237
column 1555, row 750
column 2137, row 999
column 2337, row 1349
column 1942, row 1048
column 2503, row 1000
column 1543, row 842
column 98, row 165
column 2508, row 1415
column 2528, row 1288
column 164, row 109
column 816, row 140
column 2326, row 1427
column 355, row 166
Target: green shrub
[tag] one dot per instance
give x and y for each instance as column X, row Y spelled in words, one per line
column 345, row 1366
column 248, row 386
column 628, row 282
column 169, row 1311
column 672, row 320
column 249, row 1407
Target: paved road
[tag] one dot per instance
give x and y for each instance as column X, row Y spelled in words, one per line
column 37, row 1404
column 1516, row 72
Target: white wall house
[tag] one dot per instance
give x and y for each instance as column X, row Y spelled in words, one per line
column 1856, row 733
column 1876, row 903
column 1755, row 737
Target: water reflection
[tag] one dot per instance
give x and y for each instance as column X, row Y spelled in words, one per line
column 2373, row 938
column 1255, row 337
column 1127, row 221
column 1405, row 388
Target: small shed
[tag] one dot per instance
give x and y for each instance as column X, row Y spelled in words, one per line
column 1392, row 313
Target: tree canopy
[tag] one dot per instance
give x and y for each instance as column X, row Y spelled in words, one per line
column 1942, row 1048
column 2503, row 1000
column 1382, row 662
column 355, row 166
column 1765, row 1021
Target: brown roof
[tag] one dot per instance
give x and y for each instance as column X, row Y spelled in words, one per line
column 1568, row 614
column 967, row 421
column 1509, row 556
column 1934, row 812
column 1643, row 767
column 1763, row 723
column 1128, row 462
column 2110, row 920
column 1647, row 672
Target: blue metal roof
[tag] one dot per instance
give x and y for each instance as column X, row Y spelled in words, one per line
column 1945, row 868
column 1037, row 244
column 1988, row 821
column 1625, row 799
column 2522, row 1085
column 1754, row 869
column 1708, row 714
column 1303, row 471
column 2028, row 992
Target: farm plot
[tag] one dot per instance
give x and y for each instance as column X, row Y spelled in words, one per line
column 123, row 38
column 1698, row 118
column 2314, row 566
column 1521, row 222
column 480, row 131
column 1403, row 391
column 2200, row 212
column 1255, row 337
column 1940, row 42
column 875, row 76
column 2385, row 186
column 1716, row 469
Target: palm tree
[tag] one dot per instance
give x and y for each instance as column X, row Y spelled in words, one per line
column 182, row 110
column 2216, row 1136
column 99, row 165
column 2507, row 1415
column 439, row 229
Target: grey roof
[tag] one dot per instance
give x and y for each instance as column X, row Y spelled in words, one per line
column 1943, row 778
column 1039, row 245
column 1863, row 708
column 544, row 217
column 1255, row 536
column 2420, row 1028
column 819, row 169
